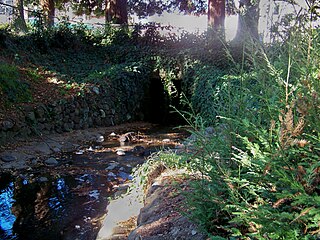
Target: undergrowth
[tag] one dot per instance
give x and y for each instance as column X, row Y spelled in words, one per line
column 259, row 158
column 12, row 87
column 255, row 139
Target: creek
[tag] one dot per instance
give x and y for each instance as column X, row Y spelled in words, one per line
column 68, row 201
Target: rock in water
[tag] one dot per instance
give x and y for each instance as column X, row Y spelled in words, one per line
column 113, row 134
column 126, row 137
column 100, row 139
column 120, row 152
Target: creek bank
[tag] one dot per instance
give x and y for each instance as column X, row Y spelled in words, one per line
column 152, row 214
column 161, row 217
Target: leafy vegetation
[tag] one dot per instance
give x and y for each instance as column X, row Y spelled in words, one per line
column 11, row 86
column 255, row 138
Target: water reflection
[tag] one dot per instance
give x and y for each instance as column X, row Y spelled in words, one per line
column 26, row 204
column 56, row 202
column 7, row 218
column 41, row 206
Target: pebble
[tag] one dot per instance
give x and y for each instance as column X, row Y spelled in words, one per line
column 80, row 152
column 90, row 149
column 100, row 139
column 193, row 232
column 120, row 152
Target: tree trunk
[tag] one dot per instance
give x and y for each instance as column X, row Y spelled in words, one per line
column 116, row 11
column 216, row 14
column 48, row 8
column 248, row 20
column 51, row 13
column 21, row 20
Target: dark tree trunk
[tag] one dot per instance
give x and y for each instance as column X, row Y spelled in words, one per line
column 216, row 14
column 48, row 8
column 248, row 20
column 21, row 20
column 116, row 11
column 51, row 13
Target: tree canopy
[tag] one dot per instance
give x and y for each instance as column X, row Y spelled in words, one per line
column 116, row 11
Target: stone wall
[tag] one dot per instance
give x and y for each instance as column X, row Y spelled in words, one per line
column 97, row 107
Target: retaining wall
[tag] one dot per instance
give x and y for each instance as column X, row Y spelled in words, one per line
column 97, row 107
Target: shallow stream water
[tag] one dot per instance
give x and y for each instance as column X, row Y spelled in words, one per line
column 69, row 201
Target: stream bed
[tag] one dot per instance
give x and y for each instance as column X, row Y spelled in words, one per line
column 69, row 200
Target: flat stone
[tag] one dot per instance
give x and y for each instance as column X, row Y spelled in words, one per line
column 42, row 148
column 68, row 147
column 112, row 166
column 54, row 144
column 8, row 158
column 14, row 165
column 15, row 156
column 51, row 162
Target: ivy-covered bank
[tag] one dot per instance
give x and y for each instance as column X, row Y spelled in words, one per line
column 63, row 79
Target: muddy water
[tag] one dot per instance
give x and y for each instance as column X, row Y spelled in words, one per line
column 68, row 201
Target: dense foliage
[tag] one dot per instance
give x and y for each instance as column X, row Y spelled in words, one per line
column 255, row 136
column 256, row 141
